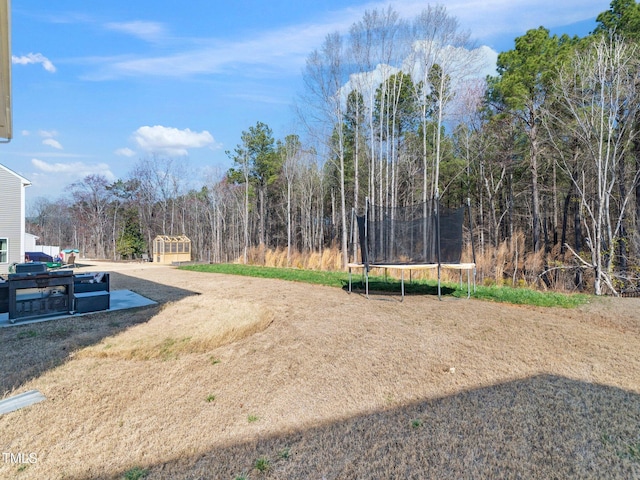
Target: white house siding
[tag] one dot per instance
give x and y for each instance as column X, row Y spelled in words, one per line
column 12, row 213
column 30, row 242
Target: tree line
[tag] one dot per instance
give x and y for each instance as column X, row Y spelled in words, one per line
column 395, row 111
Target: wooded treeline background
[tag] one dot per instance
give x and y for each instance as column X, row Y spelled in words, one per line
column 547, row 151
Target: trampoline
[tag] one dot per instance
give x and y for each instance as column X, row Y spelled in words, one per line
column 423, row 236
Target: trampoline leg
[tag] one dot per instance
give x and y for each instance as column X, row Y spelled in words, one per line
column 349, row 279
column 474, row 279
column 402, row 283
column 366, row 277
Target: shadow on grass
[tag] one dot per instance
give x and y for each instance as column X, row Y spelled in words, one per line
column 545, row 426
column 29, row 350
column 381, row 287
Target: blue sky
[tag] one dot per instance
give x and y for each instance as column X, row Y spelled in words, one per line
column 99, row 85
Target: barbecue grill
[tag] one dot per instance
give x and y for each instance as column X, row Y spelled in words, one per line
column 35, row 292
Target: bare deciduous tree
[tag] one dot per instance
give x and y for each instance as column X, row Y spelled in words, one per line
column 598, row 91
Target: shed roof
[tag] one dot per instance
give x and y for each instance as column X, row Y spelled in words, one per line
column 173, row 238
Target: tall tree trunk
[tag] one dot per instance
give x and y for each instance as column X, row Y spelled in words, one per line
column 246, row 213
column 262, row 223
column 565, row 219
column 636, row 154
column 623, row 240
column 289, row 239
column 535, row 191
column 343, row 213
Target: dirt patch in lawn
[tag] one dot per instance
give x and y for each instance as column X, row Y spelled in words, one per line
column 234, row 376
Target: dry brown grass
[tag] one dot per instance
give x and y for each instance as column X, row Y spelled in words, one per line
column 511, row 264
column 191, row 325
column 340, row 387
column 328, row 259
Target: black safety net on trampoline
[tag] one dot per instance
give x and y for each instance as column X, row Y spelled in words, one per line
column 424, row 233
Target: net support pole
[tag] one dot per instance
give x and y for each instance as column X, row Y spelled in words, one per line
column 352, row 238
column 437, row 212
column 473, row 248
column 353, row 235
column 366, row 245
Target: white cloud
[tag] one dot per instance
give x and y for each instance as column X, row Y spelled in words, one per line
column 148, row 31
column 367, row 82
column 125, row 152
column 491, row 60
column 268, row 52
column 48, row 133
column 52, row 143
column 65, row 18
column 170, row 141
column 462, row 64
column 496, row 17
column 49, row 139
column 34, row 58
column 68, row 172
column 272, row 52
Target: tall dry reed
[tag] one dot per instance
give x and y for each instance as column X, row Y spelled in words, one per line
column 330, row 259
column 509, row 263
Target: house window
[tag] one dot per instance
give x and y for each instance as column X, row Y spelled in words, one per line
column 4, row 250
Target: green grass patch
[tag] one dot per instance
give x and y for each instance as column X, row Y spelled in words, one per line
column 624, row 449
column 380, row 284
column 633, row 452
column 262, row 464
column 526, row 296
column 136, row 473
column 317, row 277
column 285, row 453
column 170, row 347
column 27, row 334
